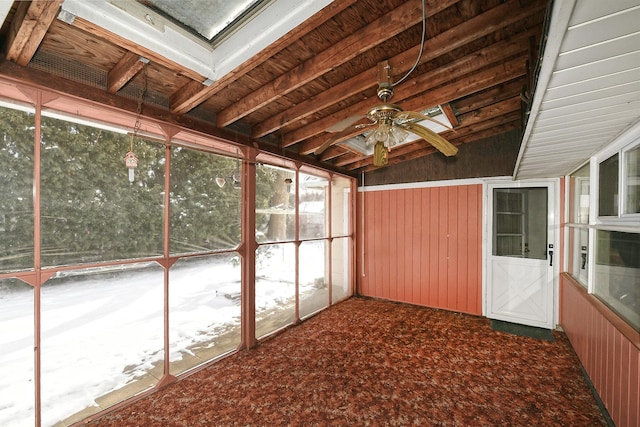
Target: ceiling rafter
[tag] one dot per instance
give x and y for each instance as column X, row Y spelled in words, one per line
column 30, row 24
column 468, row 31
column 452, row 76
column 474, row 62
column 124, row 71
column 194, row 93
column 387, row 26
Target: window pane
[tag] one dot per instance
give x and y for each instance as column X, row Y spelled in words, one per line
column 608, row 191
column 617, row 273
column 579, row 244
column 340, row 269
column 314, row 280
column 102, row 338
column 313, row 206
column 16, row 357
column 632, row 180
column 16, row 191
column 275, row 287
column 205, row 201
column 580, row 196
column 90, row 210
column 204, row 307
column 341, row 201
column 275, row 204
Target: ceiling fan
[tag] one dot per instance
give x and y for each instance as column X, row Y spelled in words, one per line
column 391, row 126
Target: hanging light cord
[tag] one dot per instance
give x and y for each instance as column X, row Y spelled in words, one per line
column 424, row 32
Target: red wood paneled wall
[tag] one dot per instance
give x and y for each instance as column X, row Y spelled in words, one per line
column 610, row 358
column 422, row 246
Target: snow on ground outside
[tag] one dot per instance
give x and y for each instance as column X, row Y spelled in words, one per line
column 93, row 329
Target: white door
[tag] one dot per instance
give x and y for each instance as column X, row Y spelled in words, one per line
column 521, row 253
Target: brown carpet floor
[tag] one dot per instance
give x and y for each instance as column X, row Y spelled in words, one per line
column 368, row 362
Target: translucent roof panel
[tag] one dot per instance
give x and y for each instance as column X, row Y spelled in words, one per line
column 208, row 19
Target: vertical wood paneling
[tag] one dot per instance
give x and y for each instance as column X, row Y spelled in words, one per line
column 462, row 259
column 608, row 356
column 405, row 280
column 423, row 246
column 452, row 247
column 416, row 222
column 442, row 246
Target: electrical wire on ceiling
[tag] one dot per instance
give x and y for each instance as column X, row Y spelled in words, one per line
column 424, row 33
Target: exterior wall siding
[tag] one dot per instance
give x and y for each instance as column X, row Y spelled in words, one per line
column 608, row 352
column 422, row 246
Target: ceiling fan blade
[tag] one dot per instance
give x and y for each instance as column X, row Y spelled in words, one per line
column 438, row 142
column 336, row 138
column 343, row 124
column 410, row 116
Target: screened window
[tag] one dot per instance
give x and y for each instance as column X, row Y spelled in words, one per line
column 17, row 355
column 579, row 219
column 16, row 191
column 312, row 206
column 604, row 252
column 205, row 198
column 608, row 187
column 632, row 181
column 125, row 258
column 90, row 210
column 617, row 273
column 275, row 204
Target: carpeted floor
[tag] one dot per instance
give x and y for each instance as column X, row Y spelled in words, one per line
column 369, row 362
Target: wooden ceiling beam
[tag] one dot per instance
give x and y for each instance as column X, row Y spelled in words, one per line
column 28, row 28
column 493, row 54
column 380, row 30
column 448, row 112
column 456, row 88
column 137, row 49
column 194, row 93
column 490, row 96
column 124, row 71
column 469, row 31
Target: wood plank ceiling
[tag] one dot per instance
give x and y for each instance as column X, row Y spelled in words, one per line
column 475, row 64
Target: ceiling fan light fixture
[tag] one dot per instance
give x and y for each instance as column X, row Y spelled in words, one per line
column 387, row 135
column 398, row 134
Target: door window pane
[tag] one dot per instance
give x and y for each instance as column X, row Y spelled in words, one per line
column 520, row 222
column 608, row 187
column 632, row 180
column 90, row 210
column 16, row 191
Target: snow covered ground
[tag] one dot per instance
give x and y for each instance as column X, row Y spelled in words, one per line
column 101, row 332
